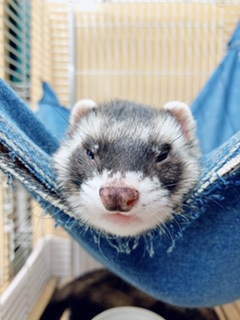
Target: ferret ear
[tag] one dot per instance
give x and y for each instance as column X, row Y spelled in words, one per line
column 181, row 111
column 80, row 109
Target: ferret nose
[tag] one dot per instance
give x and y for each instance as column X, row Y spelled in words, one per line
column 118, row 199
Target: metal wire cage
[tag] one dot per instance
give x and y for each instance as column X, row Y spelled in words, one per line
column 147, row 51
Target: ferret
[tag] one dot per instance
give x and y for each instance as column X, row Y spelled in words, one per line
column 100, row 290
column 124, row 167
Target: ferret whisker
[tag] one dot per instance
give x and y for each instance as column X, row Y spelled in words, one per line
column 190, row 97
column 99, row 245
column 160, row 131
column 212, row 200
column 168, row 233
column 68, row 122
column 181, row 134
column 185, row 217
column 177, row 223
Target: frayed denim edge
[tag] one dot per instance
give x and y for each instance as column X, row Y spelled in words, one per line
column 173, row 229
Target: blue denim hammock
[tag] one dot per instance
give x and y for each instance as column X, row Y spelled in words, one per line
column 197, row 261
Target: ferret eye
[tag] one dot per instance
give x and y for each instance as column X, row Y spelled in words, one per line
column 163, row 154
column 90, row 154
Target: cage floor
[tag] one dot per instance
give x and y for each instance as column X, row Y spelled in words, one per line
column 230, row 311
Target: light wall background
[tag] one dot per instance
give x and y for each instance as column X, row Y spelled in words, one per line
column 150, row 52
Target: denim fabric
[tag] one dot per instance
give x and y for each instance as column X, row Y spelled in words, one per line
column 217, row 108
column 196, row 262
column 51, row 113
column 24, row 120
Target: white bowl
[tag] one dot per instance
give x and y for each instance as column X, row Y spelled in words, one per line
column 127, row 313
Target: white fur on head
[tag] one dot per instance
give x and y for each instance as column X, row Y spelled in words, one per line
column 183, row 115
column 81, row 108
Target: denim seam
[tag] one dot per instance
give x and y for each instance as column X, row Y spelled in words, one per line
column 31, row 183
column 220, row 164
column 24, row 159
column 24, row 141
column 220, row 170
column 19, row 150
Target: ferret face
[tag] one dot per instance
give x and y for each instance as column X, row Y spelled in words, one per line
column 124, row 167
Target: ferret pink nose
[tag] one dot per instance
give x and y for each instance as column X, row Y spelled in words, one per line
column 118, row 199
